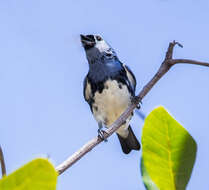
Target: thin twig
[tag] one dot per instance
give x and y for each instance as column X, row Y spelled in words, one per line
column 188, row 61
column 164, row 68
column 3, row 166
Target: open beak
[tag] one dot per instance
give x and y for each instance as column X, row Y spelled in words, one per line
column 86, row 41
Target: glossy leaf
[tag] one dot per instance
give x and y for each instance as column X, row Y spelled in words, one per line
column 149, row 184
column 169, row 151
column 38, row 174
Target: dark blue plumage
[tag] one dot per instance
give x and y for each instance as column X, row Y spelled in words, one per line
column 109, row 88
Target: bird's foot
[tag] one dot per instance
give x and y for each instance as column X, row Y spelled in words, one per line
column 136, row 100
column 101, row 134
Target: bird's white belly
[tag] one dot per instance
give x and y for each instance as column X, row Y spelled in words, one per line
column 111, row 103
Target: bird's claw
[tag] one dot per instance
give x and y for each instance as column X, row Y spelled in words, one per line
column 101, row 134
column 136, row 100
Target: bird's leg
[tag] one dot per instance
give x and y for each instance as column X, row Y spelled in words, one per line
column 101, row 132
column 135, row 100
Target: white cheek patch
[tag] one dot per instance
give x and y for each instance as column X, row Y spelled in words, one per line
column 102, row 46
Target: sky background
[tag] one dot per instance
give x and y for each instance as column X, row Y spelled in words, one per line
column 42, row 67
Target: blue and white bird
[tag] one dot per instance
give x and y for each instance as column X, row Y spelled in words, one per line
column 109, row 88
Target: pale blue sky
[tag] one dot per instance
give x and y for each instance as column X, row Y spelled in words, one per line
column 42, row 66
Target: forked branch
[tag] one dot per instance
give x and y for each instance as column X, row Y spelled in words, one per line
column 164, row 68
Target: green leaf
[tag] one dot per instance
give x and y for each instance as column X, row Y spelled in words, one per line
column 149, row 184
column 169, row 151
column 38, row 174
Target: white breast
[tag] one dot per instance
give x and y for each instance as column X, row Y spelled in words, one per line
column 111, row 103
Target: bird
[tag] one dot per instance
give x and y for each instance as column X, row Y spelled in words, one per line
column 109, row 88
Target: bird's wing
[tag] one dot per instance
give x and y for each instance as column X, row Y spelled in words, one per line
column 87, row 90
column 130, row 77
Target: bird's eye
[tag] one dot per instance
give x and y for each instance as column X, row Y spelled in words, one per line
column 109, row 54
column 98, row 38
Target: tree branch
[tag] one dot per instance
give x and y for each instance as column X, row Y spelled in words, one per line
column 164, row 68
column 3, row 166
column 188, row 61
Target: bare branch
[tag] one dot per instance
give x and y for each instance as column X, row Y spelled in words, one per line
column 169, row 53
column 164, row 68
column 188, row 61
column 3, row 166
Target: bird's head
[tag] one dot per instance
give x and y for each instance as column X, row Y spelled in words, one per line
column 96, row 48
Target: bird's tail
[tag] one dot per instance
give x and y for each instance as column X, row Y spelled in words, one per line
column 130, row 142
